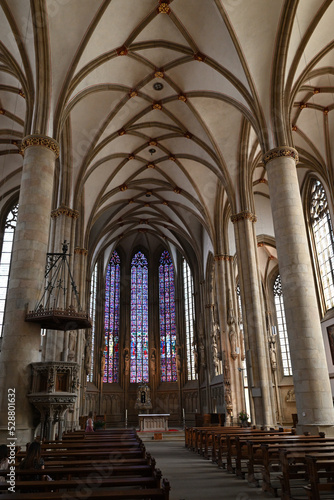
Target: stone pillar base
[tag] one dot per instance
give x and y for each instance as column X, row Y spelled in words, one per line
column 314, row 429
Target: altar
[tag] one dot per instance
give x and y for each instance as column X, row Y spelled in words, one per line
column 153, row 422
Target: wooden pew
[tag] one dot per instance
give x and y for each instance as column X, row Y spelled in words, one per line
column 96, row 494
column 263, row 451
column 273, row 465
column 294, row 468
column 137, row 476
column 94, row 480
column 320, row 469
column 237, row 449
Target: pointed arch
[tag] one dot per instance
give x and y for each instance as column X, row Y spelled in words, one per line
column 6, row 257
column 167, row 319
column 189, row 308
column 111, row 319
column 139, row 319
column 323, row 237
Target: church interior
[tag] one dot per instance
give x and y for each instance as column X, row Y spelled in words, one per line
column 166, row 208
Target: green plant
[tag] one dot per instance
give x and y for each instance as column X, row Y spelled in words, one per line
column 243, row 416
column 99, row 424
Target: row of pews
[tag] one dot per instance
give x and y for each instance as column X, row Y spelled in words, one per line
column 285, row 464
column 107, row 464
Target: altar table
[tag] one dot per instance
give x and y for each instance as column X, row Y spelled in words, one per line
column 153, row 421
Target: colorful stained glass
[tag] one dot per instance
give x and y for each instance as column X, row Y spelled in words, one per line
column 111, row 319
column 167, row 319
column 139, row 319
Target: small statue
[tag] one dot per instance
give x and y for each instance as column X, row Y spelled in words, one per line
column 202, row 352
column 153, row 361
column 126, row 356
column 272, row 353
column 88, row 356
column 233, row 342
column 196, row 360
column 178, row 358
column 71, row 345
column 102, row 363
column 51, row 383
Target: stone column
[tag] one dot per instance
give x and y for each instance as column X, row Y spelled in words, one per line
column 310, row 372
column 231, row 391
column 254, row 321
column 80, row 275
column 21, row 340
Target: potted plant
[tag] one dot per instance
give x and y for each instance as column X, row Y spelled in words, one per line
column 243, row 418
column 99, row 424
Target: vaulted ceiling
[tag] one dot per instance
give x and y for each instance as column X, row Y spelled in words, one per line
column 163, row 109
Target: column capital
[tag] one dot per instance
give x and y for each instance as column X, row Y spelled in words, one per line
column 40, row 140
column 283, row 151
column 225, row 257
column 80, row 251
column 64, row 210
column 246, row 214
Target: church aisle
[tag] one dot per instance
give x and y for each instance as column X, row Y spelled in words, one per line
column 194, row 478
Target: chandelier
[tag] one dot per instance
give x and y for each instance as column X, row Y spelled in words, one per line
column 59, row 307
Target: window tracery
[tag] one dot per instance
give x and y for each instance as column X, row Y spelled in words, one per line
column 139, row 319
column 92, row 310
column 167, row 319
column 324, row 240
column 281, row 326
column 111, row 320
column 5, row 259
column 189, row 308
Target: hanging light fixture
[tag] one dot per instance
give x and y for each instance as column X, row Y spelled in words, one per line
column 55, row 309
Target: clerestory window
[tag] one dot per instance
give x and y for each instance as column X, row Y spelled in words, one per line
column 281, row 326
column 324, row 240
column 5, row 259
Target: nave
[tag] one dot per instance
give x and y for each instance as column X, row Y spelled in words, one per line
column 194, row 478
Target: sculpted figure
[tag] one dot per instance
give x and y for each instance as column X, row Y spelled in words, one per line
column 153, row 361
column 178, row 359
column 126, row 361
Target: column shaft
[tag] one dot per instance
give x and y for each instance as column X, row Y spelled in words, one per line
column 310, row 372
column 21, row 340
column 254, row 323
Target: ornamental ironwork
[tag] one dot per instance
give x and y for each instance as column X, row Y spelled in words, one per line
column 56, row 310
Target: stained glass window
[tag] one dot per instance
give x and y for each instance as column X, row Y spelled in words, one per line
column 189, row 308
column 139, row 319
column 281, row 325
column 111, row 319
column 324, row 240
column 92, row 310
column 167, row 319
column 5, row 260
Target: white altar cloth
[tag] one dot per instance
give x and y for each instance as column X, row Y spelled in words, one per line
column 153, row 421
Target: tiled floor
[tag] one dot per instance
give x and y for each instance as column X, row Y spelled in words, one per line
column 194, row 478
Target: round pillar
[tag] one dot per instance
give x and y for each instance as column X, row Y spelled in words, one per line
column 254, row 324
column 310, row 372
column 21, row 340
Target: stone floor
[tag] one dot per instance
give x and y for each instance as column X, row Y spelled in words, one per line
column 194, row 478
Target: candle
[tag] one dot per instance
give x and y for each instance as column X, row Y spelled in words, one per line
column 126, row 414
column 183, row 413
